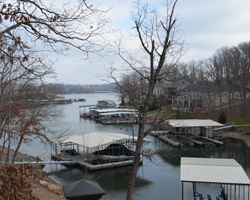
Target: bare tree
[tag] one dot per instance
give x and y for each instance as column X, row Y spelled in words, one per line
column 26, row 24
column 242, row 72
column 159, row 45
column 231, row 73
column 29, row 30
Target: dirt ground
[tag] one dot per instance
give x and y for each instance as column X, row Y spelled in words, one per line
column 49, row 190
column 244, row 138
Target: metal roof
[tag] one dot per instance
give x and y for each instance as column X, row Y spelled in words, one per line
column 193, row 123
column 213, row 170
column 115, row 110
column 117, row 113
column 97, row 139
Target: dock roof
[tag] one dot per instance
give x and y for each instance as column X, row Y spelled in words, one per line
column 98, row 139
column 213, row 170
column 118, row 113
column 115, row 110
column 193, row 123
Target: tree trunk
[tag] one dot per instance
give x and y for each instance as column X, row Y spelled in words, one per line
column 17, row 149
column 243, row 101
column 134, row 169
column 8, row 152
column 3, row 146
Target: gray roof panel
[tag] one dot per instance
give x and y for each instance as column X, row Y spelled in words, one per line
column 213, row 170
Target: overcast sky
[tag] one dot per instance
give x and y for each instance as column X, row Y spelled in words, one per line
column 205, row 25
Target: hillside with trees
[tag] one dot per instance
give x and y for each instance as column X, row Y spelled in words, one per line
column 202, row 88
column 81, row 89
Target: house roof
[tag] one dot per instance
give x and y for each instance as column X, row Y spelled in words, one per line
column 213, row 170
column 98, row 139
column 193, row 123
column 208, row 86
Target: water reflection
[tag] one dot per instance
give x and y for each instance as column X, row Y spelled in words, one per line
column 232, row 148
column 160, row 176
column 114, row 179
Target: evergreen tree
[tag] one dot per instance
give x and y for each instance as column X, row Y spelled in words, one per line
column 222, row 118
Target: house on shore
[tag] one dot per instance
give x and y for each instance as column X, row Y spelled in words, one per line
column 204, row 95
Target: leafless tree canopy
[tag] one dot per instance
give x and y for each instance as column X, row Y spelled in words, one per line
column 155, row 31
column 29, row 30
column 25, row 24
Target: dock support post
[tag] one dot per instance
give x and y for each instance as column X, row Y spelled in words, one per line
column 239, row 191
column 248, row 192
column 194, row 189
column 234, row 191
column 182, row 190
column 244, row 192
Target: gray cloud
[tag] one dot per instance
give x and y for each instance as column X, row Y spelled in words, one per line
column 206, row 25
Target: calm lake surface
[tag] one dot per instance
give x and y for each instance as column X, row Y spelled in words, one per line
column 158, row 179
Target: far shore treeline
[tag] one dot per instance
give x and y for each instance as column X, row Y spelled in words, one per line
column 58, row 88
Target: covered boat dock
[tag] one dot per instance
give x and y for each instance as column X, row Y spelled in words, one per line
column 121, row 117
column 96, row 150
column 227, row 174
column 198, row 132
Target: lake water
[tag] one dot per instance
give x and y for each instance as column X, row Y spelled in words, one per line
column 158, row 179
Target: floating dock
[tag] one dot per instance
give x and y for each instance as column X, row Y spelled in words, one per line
column 91, row 167
column 166, row 138
column 108, row 116
column 185, row 140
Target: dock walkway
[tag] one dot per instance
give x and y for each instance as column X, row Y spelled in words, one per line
column 233, row 134
column 165, row 138
column 78, row 160
column 48, row 162
column 182, row 140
